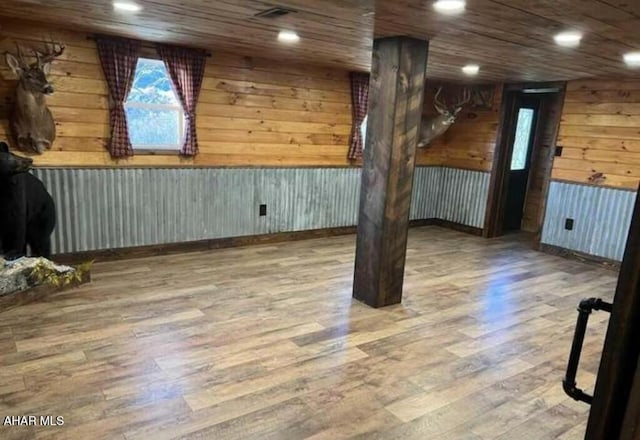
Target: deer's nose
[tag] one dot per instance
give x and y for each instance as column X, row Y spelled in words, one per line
column 48, row 89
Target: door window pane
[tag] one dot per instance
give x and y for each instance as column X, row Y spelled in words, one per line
column 363, row 131
column 521, row 142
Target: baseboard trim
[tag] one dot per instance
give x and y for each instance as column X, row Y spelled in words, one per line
column 580, row 256
column 458, row 227
column 221, row 243
column 446, row 224
column 198, row 246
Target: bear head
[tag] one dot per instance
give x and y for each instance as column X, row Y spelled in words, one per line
column 10, row 164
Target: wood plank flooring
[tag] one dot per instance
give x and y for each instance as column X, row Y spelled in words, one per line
column 266, row 342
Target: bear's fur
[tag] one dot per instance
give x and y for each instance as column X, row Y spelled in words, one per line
column 27, row 211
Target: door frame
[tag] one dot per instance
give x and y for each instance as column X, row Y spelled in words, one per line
column 500, row 170
column 631, row 425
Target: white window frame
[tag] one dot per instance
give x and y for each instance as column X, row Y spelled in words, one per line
column 180, row 114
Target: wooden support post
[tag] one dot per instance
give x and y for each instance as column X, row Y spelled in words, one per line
column 613, row 396
column 396, row 91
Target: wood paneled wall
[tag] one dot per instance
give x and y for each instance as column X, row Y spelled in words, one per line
column 470, row 141
column 252, row 111
column 600, row 134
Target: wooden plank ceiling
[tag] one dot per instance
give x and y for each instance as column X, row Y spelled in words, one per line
column 512, row 40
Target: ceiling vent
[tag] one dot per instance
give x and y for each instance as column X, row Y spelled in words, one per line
column 274, row 12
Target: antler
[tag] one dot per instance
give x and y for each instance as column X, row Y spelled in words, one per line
column 466, row 97
column 52, row 51
column 439, row 105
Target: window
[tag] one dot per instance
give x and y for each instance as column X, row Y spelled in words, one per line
column 154, row 115
column 522, row 140
column 363, row 131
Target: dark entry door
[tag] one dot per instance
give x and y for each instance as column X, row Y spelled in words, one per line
column 615, row 413
column 522, row 139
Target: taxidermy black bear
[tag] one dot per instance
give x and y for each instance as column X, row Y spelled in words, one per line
column 27, row 211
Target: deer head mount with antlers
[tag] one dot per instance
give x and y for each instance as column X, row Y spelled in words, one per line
column 435, row 126
column 31, row 122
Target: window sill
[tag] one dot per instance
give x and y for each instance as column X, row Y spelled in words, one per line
column 158, row 152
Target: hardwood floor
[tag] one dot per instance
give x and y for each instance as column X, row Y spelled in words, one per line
column 265, row 342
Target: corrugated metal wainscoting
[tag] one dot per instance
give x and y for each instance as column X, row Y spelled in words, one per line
column 601, row 219
column 452, row 194
column 114, row 208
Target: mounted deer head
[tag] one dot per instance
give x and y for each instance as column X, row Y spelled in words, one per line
column 32, row 124
column 435, row 126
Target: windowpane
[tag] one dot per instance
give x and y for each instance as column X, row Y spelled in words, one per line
column 154, row 114
column 363, row 131
column 152, row 84
column 154, row 127
column 521, row 142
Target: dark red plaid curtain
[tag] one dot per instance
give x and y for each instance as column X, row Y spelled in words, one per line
column 359, row 100
column 186, row 68
column 118, row 57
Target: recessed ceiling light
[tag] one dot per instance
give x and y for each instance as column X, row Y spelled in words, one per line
column 568, row 39
column 449, row 6
column 632, row 59
column 288, row 37
column 127, row 6
column 471, row 69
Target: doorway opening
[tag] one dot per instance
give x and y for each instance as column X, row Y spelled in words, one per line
column 523, row 159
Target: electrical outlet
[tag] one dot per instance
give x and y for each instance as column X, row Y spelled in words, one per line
column 263, row 210
column 568, row 224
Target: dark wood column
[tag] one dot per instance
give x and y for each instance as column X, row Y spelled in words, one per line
column 613, row 396
column 395, row 111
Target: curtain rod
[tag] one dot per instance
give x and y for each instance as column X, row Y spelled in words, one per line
column 150, row 45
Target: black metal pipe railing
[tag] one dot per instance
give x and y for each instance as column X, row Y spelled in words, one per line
column 585, row 308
